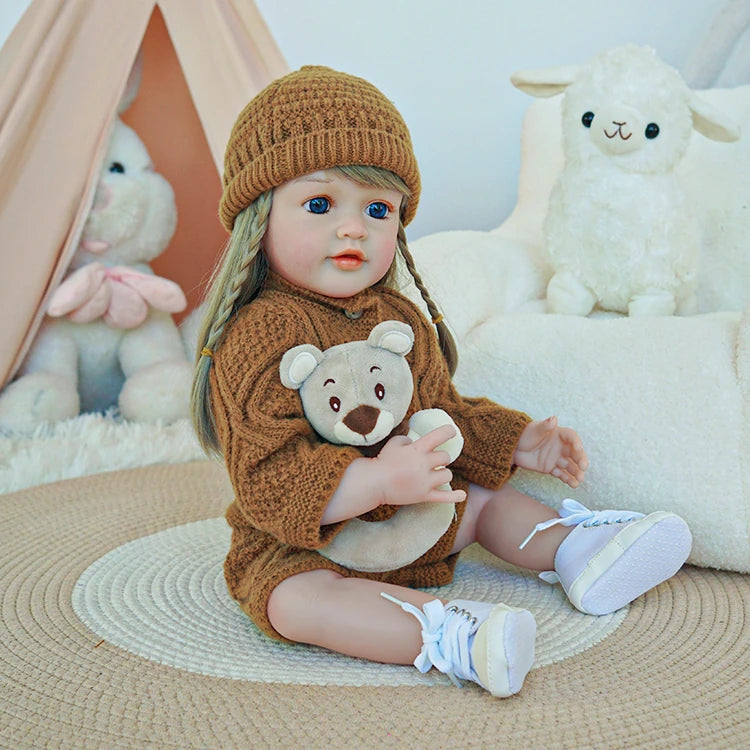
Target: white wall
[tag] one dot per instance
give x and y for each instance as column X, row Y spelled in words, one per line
column 446, row 65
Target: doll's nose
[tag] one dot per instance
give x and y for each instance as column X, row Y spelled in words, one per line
column 352, row 227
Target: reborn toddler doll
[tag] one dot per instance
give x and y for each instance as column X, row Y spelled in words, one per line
column 320, row 180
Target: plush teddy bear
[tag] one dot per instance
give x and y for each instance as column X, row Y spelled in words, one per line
column 619, row 234
column 356, row 394
column 109, row 337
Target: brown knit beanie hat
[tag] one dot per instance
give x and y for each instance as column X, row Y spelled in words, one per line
column 314, row 118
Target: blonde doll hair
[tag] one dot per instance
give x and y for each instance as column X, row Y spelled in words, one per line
column 239, row 276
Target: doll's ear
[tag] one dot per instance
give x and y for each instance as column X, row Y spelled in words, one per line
column 545, row 81
column 298, row 364
column 393, row 335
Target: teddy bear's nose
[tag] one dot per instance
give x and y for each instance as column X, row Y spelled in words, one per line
column 362, row 419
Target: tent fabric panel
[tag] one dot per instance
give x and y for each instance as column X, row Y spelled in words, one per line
column 54, row 131
column 62, row 80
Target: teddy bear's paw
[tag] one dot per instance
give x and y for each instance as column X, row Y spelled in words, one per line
column 37, row 398
column 566, row 295
column 652, row 302
column 160, row 391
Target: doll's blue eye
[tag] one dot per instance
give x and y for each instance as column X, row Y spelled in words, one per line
column 116, row 167
column 587, row 119
column 652, row 130
column 318, row 205
column 378, row 210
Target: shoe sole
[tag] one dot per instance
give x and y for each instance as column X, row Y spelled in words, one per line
column 507, row 650
column 643, row 555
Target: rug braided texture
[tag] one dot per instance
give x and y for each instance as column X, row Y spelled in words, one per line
column 674, row 674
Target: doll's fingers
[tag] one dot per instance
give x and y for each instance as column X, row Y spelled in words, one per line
column 445, row 496
column 438, row 459
column 436, row 437
column 441, row 476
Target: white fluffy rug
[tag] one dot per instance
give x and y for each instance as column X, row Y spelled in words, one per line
column 91, row 444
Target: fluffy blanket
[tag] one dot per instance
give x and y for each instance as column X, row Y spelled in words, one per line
column 662, row 404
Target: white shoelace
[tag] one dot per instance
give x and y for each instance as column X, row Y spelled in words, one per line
column 446, row 633
column 572, row 513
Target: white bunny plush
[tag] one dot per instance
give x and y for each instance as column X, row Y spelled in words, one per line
column 109, row 337
column 618, row 233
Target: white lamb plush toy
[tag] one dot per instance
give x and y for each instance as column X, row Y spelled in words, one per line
column 618, row 233
column 109, row 338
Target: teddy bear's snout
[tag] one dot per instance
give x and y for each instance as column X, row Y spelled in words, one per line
column 362, row 419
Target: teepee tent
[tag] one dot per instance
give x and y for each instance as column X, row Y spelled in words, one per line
column 63, row 72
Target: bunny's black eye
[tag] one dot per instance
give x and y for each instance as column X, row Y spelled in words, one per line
column 380, row 391
column 652, row 130
column 587, row 119
column 117, row 167
column 335, row 403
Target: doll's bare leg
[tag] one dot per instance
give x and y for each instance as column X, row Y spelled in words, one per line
column 490, row 644
column 501, row 520
column 348, row 615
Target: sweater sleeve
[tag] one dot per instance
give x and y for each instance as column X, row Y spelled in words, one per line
column 282, row 473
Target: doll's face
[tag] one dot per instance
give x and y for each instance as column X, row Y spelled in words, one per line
column 330, row 234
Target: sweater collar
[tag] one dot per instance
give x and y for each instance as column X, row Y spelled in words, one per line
column 350, row 306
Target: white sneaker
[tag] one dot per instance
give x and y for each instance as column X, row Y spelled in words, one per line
column 490, row 644
column 612, row 557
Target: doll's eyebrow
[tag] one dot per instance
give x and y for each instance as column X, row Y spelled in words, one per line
column 374, row 367
column 330, row 380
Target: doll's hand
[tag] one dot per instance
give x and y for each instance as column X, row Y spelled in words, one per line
column 413, row 472
column 549, row 449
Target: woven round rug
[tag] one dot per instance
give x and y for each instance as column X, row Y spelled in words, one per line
column 675, row 673
column 163, row 597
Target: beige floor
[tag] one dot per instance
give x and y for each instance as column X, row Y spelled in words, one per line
column 675, row 674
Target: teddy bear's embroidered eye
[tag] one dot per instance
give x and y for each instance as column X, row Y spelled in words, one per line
column 335, row 403
column 587, row 119
column 652, row 130
column 380, row 391
column 117, row 167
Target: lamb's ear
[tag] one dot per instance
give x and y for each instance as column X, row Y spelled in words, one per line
column 393, row 335
column 298, row 364
column 712, row 123
column 544, row 82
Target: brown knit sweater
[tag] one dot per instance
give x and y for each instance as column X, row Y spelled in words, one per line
column 283, row 474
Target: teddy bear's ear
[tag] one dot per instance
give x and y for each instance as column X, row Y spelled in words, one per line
column 545, row 81
column 393, row 335
column 712, row 123
column 298, row 364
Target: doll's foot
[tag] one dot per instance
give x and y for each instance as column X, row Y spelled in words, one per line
column 490, row 644
column 612, row 557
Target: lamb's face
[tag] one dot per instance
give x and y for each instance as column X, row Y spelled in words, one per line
column 630, row 109
column 357, row 394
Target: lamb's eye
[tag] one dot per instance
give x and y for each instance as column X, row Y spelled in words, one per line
column 652, row 130
column 380, row 391
column 587, row 119
column 117, row 167
column 335, row 403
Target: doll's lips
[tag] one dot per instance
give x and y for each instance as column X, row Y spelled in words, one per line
column 349, row 260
